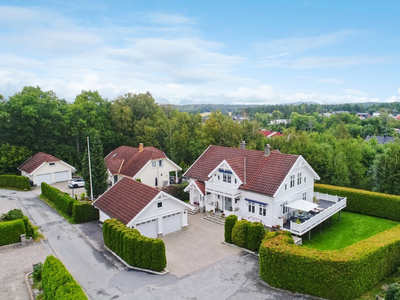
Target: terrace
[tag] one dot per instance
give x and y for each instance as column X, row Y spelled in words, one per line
column 300, row 223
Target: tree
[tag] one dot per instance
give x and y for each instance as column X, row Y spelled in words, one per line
column 99, row 169
column 11, row 157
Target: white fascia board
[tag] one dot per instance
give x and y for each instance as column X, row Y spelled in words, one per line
column 221, row 166
column 196, row 160
column 136, row 175
column 178, row 167
column 193, row 183
column 73, row 168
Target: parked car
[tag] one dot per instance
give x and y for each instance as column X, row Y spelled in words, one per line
column 76, row 183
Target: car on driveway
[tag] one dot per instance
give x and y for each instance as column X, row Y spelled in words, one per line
column 76, row 183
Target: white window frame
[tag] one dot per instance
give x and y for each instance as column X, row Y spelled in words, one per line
column 305, row 179
column 304, row 196
column 262, row 210
column 285, row 186
column 52, row 164
column 292, row 181
column 154, row 164
column 299, row 178
column 285, row 209
column 160, row 164
column 158, row 205
column 227, row 177
column 252, row 207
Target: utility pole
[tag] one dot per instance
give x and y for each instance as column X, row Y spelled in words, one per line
column 90, row 170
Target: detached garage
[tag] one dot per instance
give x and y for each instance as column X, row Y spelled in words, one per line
column 154, row 213
column 46, row 168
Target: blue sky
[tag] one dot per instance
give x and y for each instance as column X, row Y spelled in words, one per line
column 231, row 52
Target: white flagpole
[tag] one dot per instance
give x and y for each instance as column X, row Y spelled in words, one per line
column 90, row 170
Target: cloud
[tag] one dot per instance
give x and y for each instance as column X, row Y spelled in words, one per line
column 326, row 62
column 169, row 19
column 331, row 80
column 354, row 92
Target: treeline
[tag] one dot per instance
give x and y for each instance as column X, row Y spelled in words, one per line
column 34, row 120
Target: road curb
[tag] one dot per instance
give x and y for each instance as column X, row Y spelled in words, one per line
column 30, row 291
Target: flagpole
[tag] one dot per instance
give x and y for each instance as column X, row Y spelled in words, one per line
column 90, row 170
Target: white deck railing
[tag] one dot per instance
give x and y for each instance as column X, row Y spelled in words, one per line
column 302, row 228
column 326, row 197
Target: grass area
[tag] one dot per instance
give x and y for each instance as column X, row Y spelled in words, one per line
column 351, row 229
column 68, row 218
column 381, row 288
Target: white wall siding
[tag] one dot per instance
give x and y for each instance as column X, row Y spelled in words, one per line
column 47, row 168
column 149, row 174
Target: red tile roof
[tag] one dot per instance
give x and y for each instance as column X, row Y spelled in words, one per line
column 35, row 161
column 125, row 199
column 201, row 185
column 129, row 161
column 264, row 174
column 269, row 133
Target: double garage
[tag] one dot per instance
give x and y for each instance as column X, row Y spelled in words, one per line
column 48, row 177
column 170, row 223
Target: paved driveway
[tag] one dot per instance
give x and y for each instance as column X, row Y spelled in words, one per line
column 63, row 186
column 196, row 247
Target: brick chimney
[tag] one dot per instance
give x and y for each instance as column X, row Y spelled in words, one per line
column 243, row 145
column 267, row 150
column 140, row 147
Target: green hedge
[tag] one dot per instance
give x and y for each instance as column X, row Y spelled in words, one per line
column 255, row 235
column 10, row 232
column 229, row 223
column 365, row 202
column 16, row 214
column 239, row 233
column 338, row 274
column 58, row 283
column 135, row 249
column 15, row 181
column 79, row 211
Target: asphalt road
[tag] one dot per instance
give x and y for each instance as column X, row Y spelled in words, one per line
column 235, row 277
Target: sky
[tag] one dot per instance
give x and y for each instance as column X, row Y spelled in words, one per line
column 198, row 52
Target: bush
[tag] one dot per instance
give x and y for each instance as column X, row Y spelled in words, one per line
column 62, row 201
column 58, row 283
column 84, row 212
column 159, row 259
column 393, row 293
column 30, row 231
column 176, row 191
column 365, row 202
column 130, row 239
column 229, row 223
column 15, row 181
column 14, row 214
column 255, row 234
column 338, row 274
column 239, row 233
column 37, row 272
column 139, row 252
column 10, row 232
column 146, row 252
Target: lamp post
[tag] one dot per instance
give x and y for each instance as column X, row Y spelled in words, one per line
column 90, row 170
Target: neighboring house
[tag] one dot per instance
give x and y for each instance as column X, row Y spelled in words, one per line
column 265, row 186
column 154, row 213
column 397, row 117
column 148, row 164
column 376, row 114
column 47, row 168
column 364, row 116
column 382, row 139
column 280, row 121
column 270, row 133
column 325, row 114
column 239, row 118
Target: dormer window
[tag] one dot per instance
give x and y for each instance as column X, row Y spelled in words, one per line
column 153, row 164
column 52, row 164
column 227, row 178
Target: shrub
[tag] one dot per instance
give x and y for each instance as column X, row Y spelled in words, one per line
column 14, row 214
column 239, row 233
column 10, row 232
column 139, row 251
column 84, row 212
column 58, row 282
column 176, row 191
column 146, row 252
column 159, row 259
column 393, row 293
column 37, row 272
column 62, row 201
column 339, row 274
column 83, row 196
column 365, row 202
column 229, row 223
column 15, row 181
column 129, row 250
column 255, row 234
column 30, row 231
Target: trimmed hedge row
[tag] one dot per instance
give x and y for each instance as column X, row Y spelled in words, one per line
column 365, row 202
column 15, row 181
column 16, row 214
column 79, row 211
column 135, row 249
column 10, row 232
column 244, row 233
column 338, row 274
column 58, row 283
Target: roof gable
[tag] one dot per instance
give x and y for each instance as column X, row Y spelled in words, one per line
column 36, row 161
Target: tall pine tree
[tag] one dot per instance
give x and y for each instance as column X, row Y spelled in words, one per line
column 99, row 169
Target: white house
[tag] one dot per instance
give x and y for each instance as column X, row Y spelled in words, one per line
column 43, row 167
column 154, row 213
column 148, row 164
column 265, row 186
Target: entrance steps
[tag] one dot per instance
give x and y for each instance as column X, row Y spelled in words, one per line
column 216, row 218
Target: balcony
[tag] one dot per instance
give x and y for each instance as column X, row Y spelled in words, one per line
column 329, row 204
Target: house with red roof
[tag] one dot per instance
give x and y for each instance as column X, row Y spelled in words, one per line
column 47, row 168
column 148, row 164
column 270, row 133
column 153, row 212
column 267, row 186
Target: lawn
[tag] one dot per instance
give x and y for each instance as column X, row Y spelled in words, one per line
column 351, row 229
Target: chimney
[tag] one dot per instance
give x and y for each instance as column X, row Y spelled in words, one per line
column 243, row 145
column 267, row 150
column 140, row 147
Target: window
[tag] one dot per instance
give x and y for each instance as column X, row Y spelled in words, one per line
column 153, row 164
column 252, row 207
column 159, row 204
column 235, row 181
column 305, row 196
column 292, row 178
column 299, row 179
column 219, row 177
column 52, row 164
column 263, row 210
column 285, row 209
column 285, row 186
column 227, row 178
column 160, row 163
column 305, row 179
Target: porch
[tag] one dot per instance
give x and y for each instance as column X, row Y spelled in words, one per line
column 328, row 205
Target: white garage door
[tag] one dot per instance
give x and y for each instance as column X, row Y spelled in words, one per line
column 61, row 176
column 43, row 178
column 172, row 223
column 148, row 228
